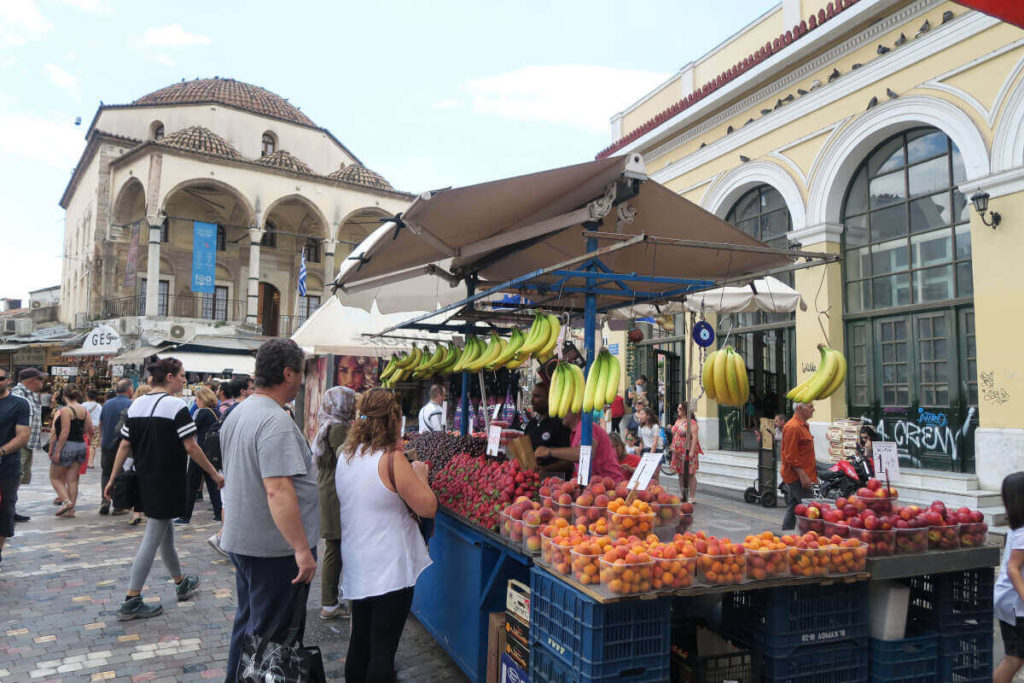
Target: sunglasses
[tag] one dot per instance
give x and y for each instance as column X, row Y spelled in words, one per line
column 3, row 379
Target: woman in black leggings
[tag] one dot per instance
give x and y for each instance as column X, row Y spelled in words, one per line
column 205, row 418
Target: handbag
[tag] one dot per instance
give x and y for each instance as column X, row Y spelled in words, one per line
column 267, row 659
column 125, row 495
column 426, row 526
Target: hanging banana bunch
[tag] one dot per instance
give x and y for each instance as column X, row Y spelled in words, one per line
column 724, row 377
column 829, row 376
column 566, row 392
column 602, row 382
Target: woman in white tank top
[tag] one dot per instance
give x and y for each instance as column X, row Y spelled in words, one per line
column 382, row 550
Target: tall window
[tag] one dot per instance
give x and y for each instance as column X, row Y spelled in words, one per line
column 268, row 145
column 215, row 304
column 162, row 297
column 222, row 238
column 165, row 231
column 269, row 236
column 157, row 130
column 312, row 250
column 307, row 304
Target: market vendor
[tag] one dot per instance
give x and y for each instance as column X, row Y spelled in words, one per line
column 798, row 465
column 603, row 460
column 546, row 431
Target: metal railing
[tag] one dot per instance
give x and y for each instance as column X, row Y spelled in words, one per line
column 195, row 306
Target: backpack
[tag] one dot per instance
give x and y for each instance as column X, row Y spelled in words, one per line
column 211, row 446
column 121, row 420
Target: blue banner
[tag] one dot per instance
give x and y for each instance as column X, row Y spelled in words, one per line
column 204, row 256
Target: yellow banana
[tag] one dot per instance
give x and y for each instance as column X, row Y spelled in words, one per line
column 388, row 369
column 509, row 349
column 567, row 387
column 494, row 364
column 741, row 378
column 410, row 359
column 517, row 360
column 731, row 380
column 554, row 328
column 721, row 383
column 591, row 388
column 839, row 378
column 489, row 353
column 555, row 392
column 538, row 334
column 707, row 375
column 612, row 389
column 469, row 352
column 602, row 381
column 451, row 359
column 578, row 388
column 822, row 378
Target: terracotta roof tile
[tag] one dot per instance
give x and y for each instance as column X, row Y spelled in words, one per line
column 230, row 92
column 360, row 175
column 287, row 161
column 203, row 140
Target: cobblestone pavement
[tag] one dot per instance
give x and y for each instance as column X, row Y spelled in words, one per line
column 61, row 581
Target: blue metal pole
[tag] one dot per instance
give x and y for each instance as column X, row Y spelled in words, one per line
column 464, row 427
column 589, row 322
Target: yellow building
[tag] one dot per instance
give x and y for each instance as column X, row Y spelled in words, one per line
column 865, row 128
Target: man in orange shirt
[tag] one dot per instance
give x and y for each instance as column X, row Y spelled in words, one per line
column 799, row 470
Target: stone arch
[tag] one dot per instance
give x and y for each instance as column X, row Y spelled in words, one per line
column 243, row 206
column 130, row 203
column 721, row 197
column 1008, row 143
column 294, row 198
column 835, row 165
column 222, row 273
column 357, row 225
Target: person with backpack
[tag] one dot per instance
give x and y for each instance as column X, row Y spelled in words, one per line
column 207, row 424
column 112, row 419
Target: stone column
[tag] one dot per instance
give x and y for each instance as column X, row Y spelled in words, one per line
column 330, row 272
column 153, row 266
column 253, row 286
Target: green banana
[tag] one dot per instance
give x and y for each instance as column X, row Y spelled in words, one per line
column 515, row 341
column 538, row 334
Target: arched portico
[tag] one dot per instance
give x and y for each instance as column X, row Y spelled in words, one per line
column 721, row 197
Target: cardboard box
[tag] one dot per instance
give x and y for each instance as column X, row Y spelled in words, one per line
column 521, row 449
column 495, row 645
column 512, row 672
column 519, row 653
column 517, row 630
column 517, row 600
column 888, row 609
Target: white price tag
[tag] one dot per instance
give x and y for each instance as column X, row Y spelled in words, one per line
column 887, row 459
column 401, row 430
column 645, row 471
column 493, row 441
column 584, row 466
column 444, row 413
column 560, row 343
column 497, row 411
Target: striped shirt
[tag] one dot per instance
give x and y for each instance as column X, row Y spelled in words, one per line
column 36, row 413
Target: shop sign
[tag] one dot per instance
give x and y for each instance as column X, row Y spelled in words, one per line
column 102, row 339
column 63, row 371
column 613, row 349
column 117, row 371
column 30, row 356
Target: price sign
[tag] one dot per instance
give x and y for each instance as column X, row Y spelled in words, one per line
column 497, row 411
column 887, row 459
column 584, row 466
column 493, row 441
column 645, row 471
column 560, row 344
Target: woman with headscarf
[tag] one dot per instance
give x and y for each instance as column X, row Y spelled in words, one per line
column 337, row 409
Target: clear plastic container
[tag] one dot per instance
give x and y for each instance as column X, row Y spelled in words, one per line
column 766, row 564
column 586, row 568
column 805, row 524
column 836, row 529
column 973, row 534
column 880, row 505
column 944, row 537
column 851, row 557
column 587, row 514
column 623, row 525
column 531, row 538
column 666, row 514
column 684, row 523
column 880, row 543
column 675, row 572
column 911, row 541
column 627, row 578
column 721, row 570
column 808, row 562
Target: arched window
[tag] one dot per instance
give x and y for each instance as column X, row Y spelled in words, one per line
column 269, row 236
column 909, row 287
column 222, row 238
column 156, row 130
column 268, row 144
column 312, row 250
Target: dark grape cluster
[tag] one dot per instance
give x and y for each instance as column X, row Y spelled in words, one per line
column 438, row 448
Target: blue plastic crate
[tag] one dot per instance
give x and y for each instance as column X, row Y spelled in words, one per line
column 910, row 660
column 965, row 657
column 842, row 662
column 577, row 629
column 953, row 600
column 776, row 620
column 547, row 667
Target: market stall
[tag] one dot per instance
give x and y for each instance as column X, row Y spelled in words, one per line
column 581, row 242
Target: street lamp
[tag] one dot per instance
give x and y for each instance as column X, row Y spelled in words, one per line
column 980, row 201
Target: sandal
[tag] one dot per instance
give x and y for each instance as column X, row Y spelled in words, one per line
column 66, row 508
column 135, row 521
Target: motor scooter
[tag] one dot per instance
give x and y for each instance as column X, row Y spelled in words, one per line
column 845, row 477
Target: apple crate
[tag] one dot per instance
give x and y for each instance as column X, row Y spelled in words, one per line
column 776, row 620
column 909, row 660
column 840, row 662
column 546, row 667
column 583, row 633
column 952, row 601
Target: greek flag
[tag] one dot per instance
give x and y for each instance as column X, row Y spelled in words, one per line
column 302, row 274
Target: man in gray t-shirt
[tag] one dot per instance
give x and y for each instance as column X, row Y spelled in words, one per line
column 271, row 523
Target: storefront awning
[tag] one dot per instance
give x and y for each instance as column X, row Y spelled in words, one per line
column 89, row 353
column 342, row 331
column 136, row 356
column 213, row 363
column 10, row 347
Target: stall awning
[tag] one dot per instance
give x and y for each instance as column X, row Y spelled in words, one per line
column 503, row 229
column 10, row 347
column 89, row 353
column 214, row 363
column 136, row 356
column 341, row 330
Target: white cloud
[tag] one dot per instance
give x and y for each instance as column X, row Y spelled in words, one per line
column 91, row 6
column 446, row 104
column 581, row 96
column 63, row 80
column 21, row 22
column 163, row 59
column 26, row 269
column 172, row 35
column 57, row 143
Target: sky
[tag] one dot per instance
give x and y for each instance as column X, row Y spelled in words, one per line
column 430, row 94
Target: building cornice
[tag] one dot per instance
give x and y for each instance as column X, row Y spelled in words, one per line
column 996, row 184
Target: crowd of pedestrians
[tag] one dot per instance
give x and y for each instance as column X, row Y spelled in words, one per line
column 276, row 495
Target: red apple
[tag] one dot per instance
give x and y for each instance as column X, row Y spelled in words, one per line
column 874, row 484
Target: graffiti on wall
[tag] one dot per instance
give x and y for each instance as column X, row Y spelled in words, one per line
column 990, row 392
column 927, row 434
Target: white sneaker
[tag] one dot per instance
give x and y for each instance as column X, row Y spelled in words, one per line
column 340, row 611
column 214, row 542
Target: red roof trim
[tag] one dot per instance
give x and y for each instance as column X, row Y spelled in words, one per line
column 755, row 58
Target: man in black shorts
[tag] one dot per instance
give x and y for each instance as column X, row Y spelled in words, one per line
column 15, row 431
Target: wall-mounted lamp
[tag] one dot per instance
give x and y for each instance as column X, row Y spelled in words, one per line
column 980, row 201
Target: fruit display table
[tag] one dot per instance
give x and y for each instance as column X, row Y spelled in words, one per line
column 934, row 562
column 467, row 580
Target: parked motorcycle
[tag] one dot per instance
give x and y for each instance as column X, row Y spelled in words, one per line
column 845, row 477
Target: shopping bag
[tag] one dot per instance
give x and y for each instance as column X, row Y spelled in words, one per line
column 274, row 657
column 125, row 495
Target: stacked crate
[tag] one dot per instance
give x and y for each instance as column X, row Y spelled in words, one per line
column 842, row 438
